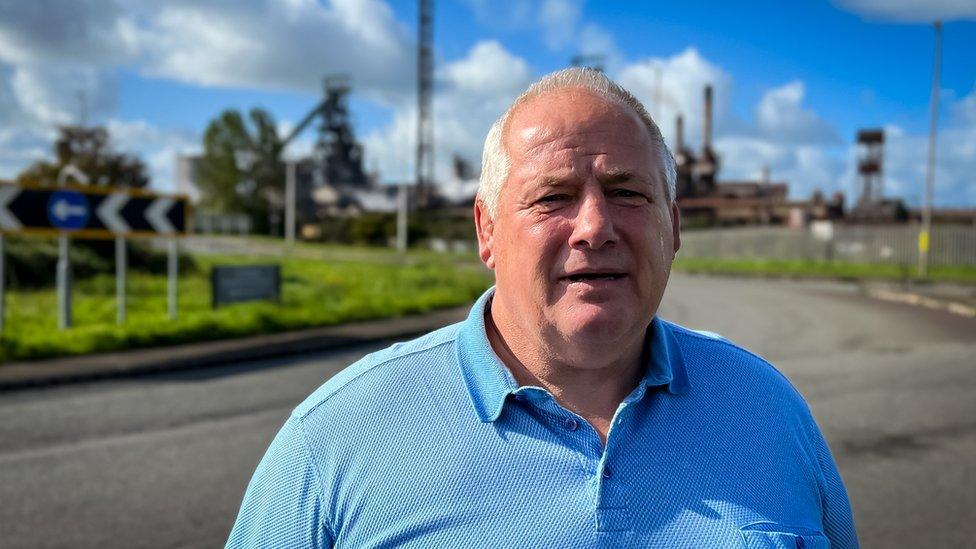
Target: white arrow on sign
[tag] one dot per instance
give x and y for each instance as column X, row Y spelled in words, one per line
column 108, row 212
column 156, row 215
column 63, row 210
column 7, row 219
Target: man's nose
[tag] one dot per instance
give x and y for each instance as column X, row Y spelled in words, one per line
column 594, row 224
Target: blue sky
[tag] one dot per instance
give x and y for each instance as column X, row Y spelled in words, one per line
column 794, row 81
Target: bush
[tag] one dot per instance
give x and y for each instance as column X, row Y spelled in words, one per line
column 372, row 229
column 32, row 262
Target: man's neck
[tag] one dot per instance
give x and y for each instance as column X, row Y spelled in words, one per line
column 593, row 392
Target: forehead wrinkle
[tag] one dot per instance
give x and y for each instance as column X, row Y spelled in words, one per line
column 611, row 107
column 573, row 166
column 554, row 136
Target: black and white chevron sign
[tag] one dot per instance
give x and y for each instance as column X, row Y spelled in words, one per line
column 90, row 212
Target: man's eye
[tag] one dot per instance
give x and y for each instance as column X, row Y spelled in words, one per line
column 626, row 193
column 551, row 198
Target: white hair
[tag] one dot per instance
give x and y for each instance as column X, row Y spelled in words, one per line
column 495, row 161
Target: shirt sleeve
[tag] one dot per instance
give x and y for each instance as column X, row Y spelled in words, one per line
column 283, row 503
column 838, row 520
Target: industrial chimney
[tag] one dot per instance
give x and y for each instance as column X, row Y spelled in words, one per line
column 679, row 133
column 684, row 161
column 705, row 168
column 707, row 119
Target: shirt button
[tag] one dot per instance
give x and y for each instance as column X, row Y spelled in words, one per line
column 606, row 471
column 570, row 424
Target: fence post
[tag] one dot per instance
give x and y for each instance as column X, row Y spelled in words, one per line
column 3, row 292
column 172, row 268
column 120, row 268
column 64, row 283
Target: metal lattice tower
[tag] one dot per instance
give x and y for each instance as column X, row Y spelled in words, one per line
column 425, row 96
column 869, row 166
column 338, row 157
column 336, row 148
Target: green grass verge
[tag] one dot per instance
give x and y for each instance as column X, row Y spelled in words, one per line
column 314, row 293
column 820, row 269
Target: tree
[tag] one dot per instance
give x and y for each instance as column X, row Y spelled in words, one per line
column 241, row 170
column 88, row 150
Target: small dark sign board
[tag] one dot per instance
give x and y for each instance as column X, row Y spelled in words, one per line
column 233, row 283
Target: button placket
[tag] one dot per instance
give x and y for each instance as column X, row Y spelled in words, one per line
column 613, row 504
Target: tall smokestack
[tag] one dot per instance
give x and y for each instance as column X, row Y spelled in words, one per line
column 679, row 133
column 707, row 137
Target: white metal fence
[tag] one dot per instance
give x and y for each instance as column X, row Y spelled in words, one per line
column 898, row 244
column 239, row 224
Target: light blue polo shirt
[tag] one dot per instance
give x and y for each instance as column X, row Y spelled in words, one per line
column 432, row 443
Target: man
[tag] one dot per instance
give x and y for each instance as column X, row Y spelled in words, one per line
column 562, row 412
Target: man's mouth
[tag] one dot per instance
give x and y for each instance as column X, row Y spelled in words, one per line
column 582, row 277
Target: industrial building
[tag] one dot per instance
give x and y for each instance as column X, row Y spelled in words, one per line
column 705, row 201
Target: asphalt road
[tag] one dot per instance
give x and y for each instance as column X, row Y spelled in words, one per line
column 163, row 461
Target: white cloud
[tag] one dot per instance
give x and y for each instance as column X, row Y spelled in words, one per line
column 794, row 141
column 54, row 95
column 504, row 14
column 476, row 89
column 559, row 20
column 19, row 147
column 674, row 85
column 489, row 69
column 284, row 44
column 963, row 112
column 797, row 145
column 65, row 31
column 596, row 41
column 911, row 11
column 803, row 167
column 51, row 51
column 156, row 147
column 35, row 99
column 281, row 44
column 781, row 116
column 906, row 157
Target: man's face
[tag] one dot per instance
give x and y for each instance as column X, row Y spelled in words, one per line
column 584, row 237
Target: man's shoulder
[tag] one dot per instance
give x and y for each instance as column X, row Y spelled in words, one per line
column 714, row 360
column 397, row 368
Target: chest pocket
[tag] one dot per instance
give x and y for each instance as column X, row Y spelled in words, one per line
column 769, row 535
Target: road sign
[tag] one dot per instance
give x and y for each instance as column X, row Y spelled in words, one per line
column 90, row 212
column 67, row 210
column 233, row 283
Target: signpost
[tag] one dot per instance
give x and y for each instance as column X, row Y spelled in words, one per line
column 69, row 211
column 3, row 295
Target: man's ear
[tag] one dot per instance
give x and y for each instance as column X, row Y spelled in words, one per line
column 485, row 228
column 676, row 225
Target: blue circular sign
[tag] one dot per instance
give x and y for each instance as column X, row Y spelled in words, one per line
column 68, row 210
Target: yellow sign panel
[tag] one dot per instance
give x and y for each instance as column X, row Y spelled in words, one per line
column 923, row 241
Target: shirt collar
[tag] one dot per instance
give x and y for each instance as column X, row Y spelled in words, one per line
column 489, row 381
